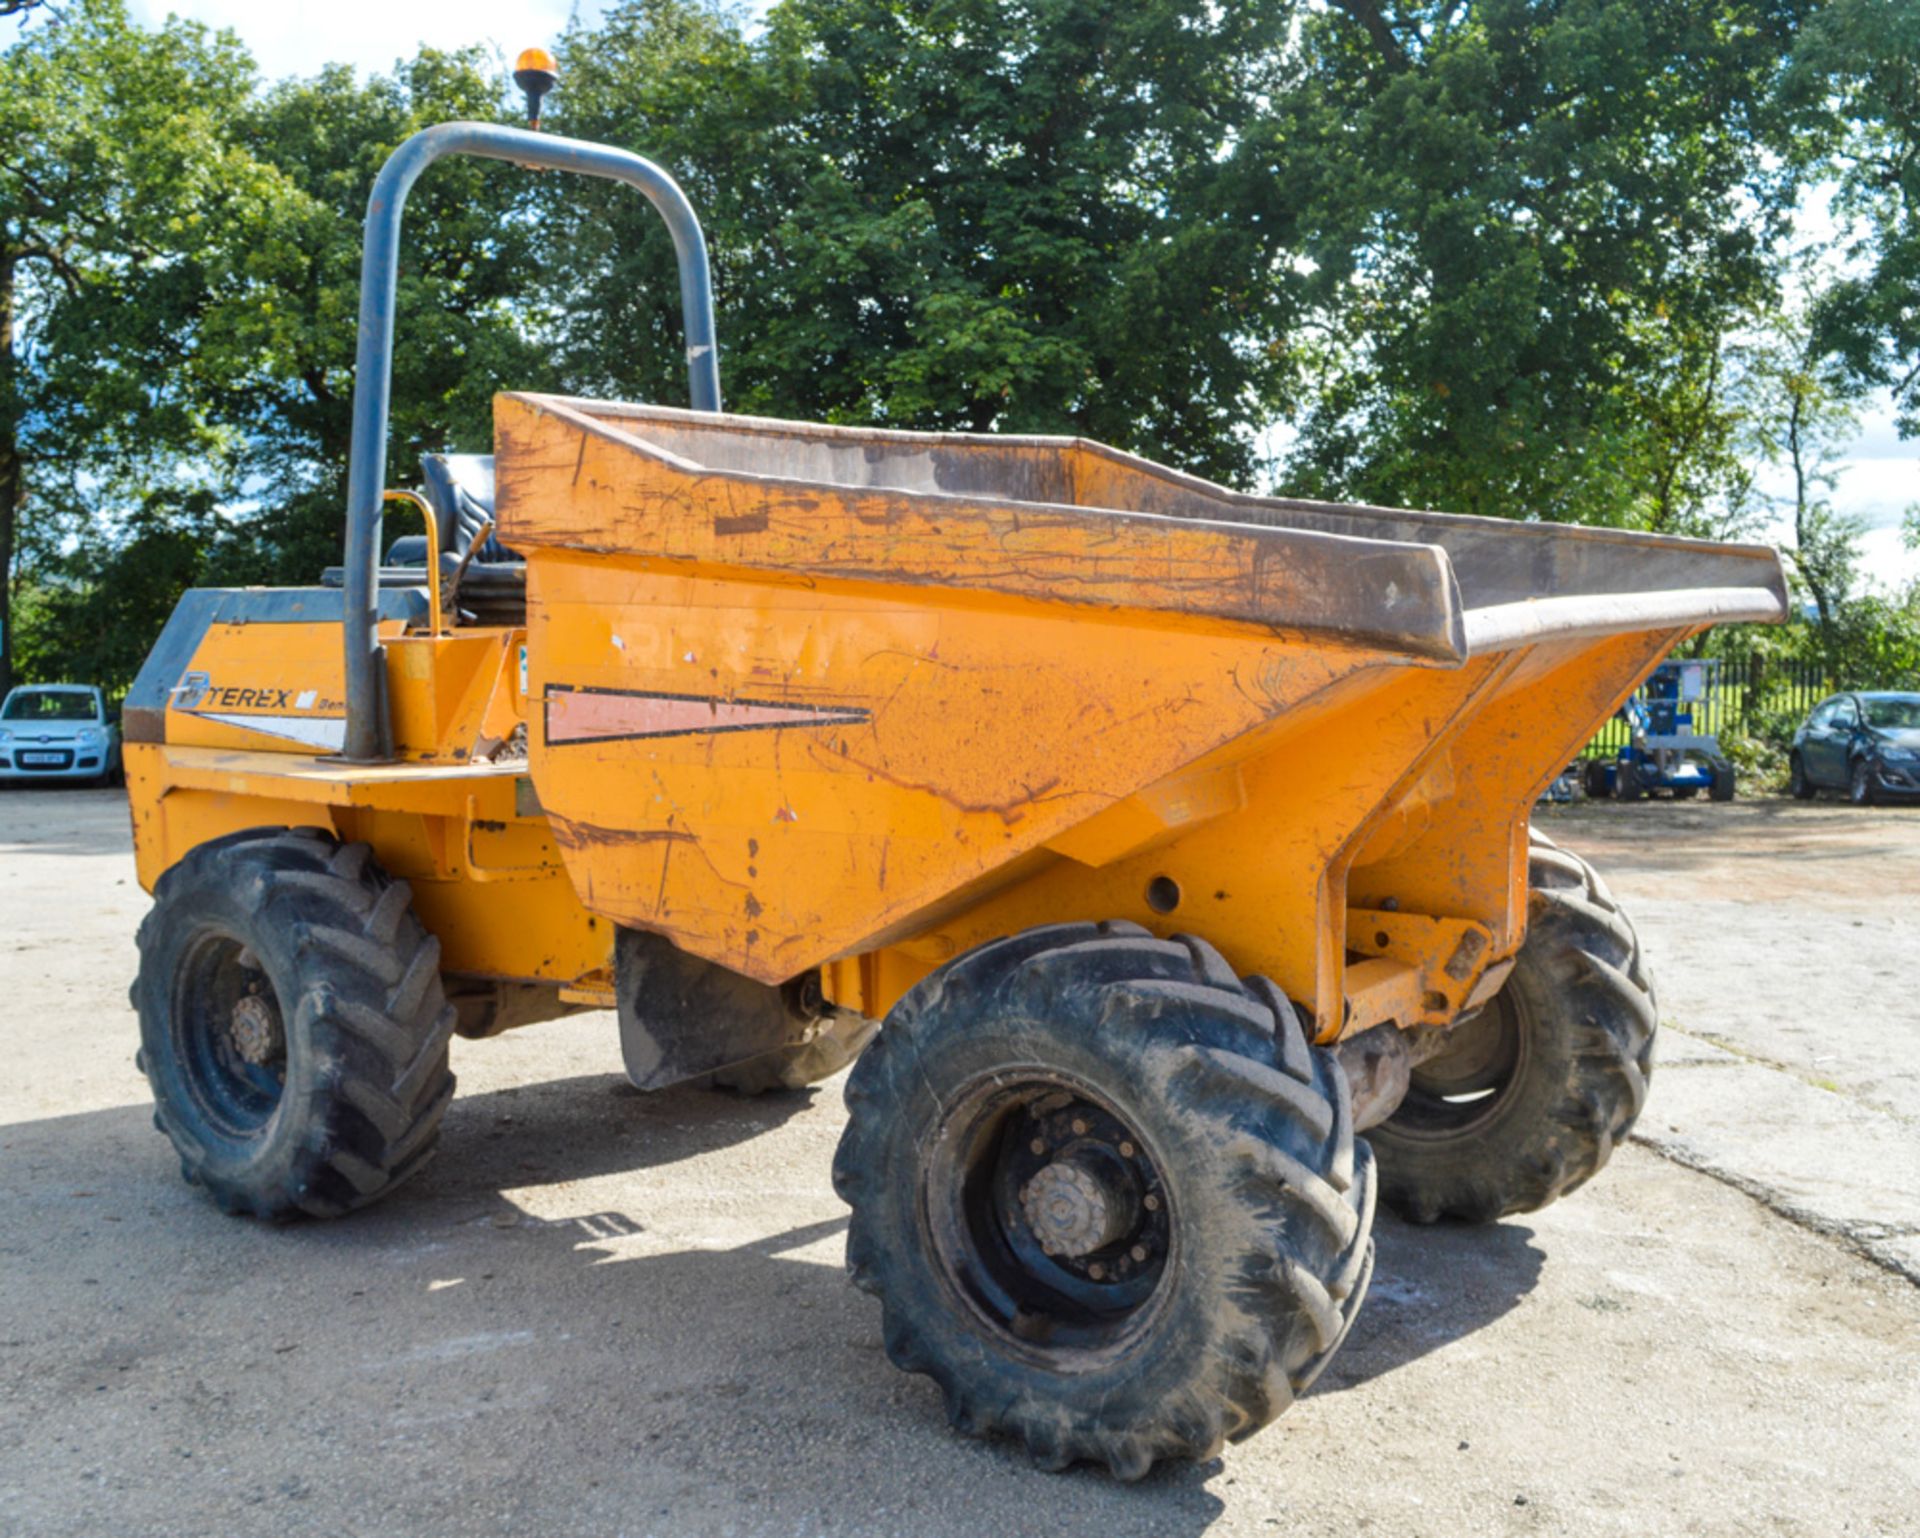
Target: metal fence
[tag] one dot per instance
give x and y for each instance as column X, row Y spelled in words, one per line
column 1750, row 691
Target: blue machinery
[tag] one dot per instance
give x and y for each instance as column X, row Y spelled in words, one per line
column 1663, row 752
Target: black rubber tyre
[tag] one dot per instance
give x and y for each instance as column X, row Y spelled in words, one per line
column 1798, row 785
column 292, row 1024
column 1626, row 782
column 1244, row 1247
column 1725, row 782
column 1546, row 1081
column 1861, row 790
column 795, row 1068
column 1593, row 779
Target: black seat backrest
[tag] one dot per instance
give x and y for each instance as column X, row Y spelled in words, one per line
column 460, row 489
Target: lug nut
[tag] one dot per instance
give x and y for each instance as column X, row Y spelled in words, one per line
column 1038, row 1145
column 1139, row 1252
column 1096, row 1271
column 1126, row 1150
column 1150, row 1202
column 1079, row 1127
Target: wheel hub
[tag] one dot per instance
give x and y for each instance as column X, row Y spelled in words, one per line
column 1049, row 1213
column 254, row 1028
column 1072, row 1211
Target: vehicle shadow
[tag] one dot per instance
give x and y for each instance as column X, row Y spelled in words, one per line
column 463, row 1301
column 1432, row 1285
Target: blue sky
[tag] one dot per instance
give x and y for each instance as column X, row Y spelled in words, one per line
column 288, row 37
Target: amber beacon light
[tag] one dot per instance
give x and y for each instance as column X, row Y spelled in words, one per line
column 534, row 72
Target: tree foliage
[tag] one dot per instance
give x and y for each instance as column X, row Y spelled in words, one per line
column 122, row 199
column 1518, row 257
column 958, row 215
column 1531, row 228
column 1854, row 83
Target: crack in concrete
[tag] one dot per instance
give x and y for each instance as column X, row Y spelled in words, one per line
column 1862, row 1238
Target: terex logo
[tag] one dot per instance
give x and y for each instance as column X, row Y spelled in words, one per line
column 196, row 691
column 294, row 715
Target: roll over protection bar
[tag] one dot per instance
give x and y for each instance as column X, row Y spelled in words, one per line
column 368, row 731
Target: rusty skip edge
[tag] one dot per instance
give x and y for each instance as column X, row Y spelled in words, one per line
column 1396, row 587
column 1297, row 582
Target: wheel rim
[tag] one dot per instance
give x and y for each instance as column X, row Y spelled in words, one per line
column 1049, row 1217
column 1470, row 1085
column 1860, row 780
column 229, row 1036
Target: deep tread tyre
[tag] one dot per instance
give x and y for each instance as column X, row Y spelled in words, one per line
column 1240, row 1131
column 1593, row 779
column 1627, row 785
column 1725, row 782
column 292, row 1024
column 1485, row 1132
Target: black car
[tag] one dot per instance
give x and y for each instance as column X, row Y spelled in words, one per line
column 1866, row 743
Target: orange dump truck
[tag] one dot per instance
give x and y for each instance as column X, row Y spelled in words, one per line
column 1175, row 838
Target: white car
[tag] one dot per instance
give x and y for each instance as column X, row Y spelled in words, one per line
column 58, row 732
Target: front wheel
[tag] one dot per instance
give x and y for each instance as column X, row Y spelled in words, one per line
column 292, row 1024
column 1536, row 1091
column 1725, row 782
column 1861, row 790
column 1108, row 1195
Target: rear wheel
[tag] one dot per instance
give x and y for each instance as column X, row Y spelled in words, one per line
column 1536, row 1091
column 292, row 1024
column 1724, row 781
column 1626, row 781
column 1593, row 779
column 1108, row 1195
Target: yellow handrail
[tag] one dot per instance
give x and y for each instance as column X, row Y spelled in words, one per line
column 433, row 547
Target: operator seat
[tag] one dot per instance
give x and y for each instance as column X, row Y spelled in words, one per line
column 493, row 586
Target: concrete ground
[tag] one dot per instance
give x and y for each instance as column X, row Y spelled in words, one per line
column 1786, row 945
column 604, row 1313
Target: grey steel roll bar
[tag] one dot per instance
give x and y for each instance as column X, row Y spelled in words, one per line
column 368, row 730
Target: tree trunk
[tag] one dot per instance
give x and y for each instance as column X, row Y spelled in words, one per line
column 9, row 469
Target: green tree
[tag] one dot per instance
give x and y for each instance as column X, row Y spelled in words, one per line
column 1855, row 87
column 953, row 214
column 1530, row 229
column 1802, row 412
column 121, row 192
column 181, row 263
column 285, row 337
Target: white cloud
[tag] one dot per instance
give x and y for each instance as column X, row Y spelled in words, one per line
column 1876, row 480
column 292, row 37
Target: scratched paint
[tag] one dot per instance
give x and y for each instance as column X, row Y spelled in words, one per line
column 614, row 715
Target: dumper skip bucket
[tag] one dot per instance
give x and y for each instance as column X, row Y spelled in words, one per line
column 816, row 697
